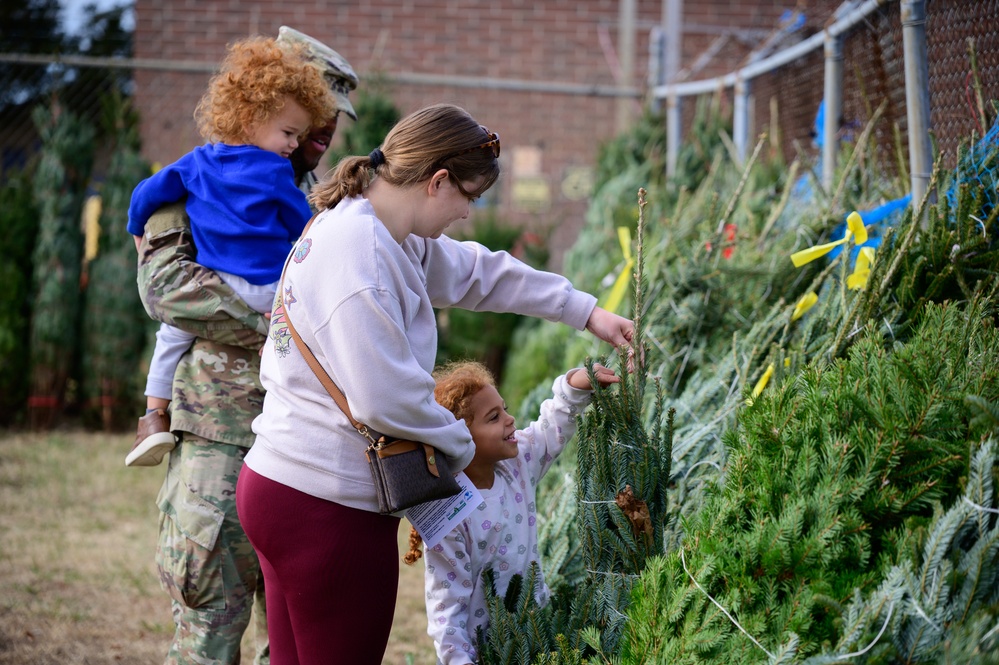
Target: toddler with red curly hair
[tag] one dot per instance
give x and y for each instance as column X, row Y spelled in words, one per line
column 240, row 194
column 502, row 534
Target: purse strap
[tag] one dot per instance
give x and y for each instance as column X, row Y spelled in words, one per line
column 313, row 362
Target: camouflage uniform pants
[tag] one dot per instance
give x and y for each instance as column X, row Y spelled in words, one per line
column 205, row 561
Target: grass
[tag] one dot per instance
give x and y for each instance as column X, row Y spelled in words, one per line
column 78, row 583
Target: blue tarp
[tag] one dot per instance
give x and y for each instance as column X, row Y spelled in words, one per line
column 877, row 221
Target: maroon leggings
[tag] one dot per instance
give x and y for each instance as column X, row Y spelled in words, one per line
column 330, row 573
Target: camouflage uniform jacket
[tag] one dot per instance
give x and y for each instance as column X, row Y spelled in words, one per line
column 216, row 389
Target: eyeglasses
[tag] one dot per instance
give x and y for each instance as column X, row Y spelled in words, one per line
column 493, row 142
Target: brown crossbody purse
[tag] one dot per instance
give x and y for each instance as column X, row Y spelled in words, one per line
column 405, row 473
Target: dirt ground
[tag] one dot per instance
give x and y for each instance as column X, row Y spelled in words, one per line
column 77, row 580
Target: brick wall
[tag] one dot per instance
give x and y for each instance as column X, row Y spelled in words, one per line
column 564, row 41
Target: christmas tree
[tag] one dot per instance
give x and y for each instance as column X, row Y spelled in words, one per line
column 114, row 321
column 59, row 187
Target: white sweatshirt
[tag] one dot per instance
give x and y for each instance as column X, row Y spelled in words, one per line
column 502, row 534
column 364, row 304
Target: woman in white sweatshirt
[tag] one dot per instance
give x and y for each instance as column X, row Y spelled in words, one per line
column 361, row 289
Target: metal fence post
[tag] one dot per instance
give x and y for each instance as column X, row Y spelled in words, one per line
column 917, row 97
column 657, row 68
column 740, row 119
column 674, row 133
column 833, row 99
column 672, row 11
column 627, row 18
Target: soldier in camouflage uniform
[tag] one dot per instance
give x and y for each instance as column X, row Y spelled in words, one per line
column 205, row 561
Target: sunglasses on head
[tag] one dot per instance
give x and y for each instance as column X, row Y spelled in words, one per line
column 493, row 142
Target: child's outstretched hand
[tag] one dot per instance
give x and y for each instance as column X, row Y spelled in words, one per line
column 605, row 376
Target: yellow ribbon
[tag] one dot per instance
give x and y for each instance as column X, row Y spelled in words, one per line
column 761, row 384
column 861, row 269
column 92, row 226
column 804, row 304
column 854, row 227
column 617, row 291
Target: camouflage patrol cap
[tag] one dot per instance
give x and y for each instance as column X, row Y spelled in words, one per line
column 338, row 72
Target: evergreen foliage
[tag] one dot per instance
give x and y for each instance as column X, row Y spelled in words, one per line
column 695, row 326
column 559, row 544
column 18, row 229
column 623, row 455
column 940, row 603
column 114, row 321
column 822, row 478
column 754, row 514
column 519, row 630
column 59, row 186
column 899, row 380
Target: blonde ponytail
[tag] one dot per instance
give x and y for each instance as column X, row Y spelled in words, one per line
column 350, row 178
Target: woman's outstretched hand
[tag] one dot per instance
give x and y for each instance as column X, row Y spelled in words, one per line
column 610, row 327
column 615, row 330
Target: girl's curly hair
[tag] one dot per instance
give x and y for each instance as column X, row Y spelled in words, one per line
column 457, row 383
column 251, row 87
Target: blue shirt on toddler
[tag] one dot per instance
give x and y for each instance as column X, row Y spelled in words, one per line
column 245, row 209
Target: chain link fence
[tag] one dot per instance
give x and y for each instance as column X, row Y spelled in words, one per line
column 963, row 61
column 76, row 84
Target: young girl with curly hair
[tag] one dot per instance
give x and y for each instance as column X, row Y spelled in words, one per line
column 241, row 196
column 502, row 534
